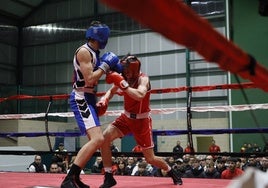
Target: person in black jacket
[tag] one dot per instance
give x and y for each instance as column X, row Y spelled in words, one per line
column 196, row 170
column 178, row 150
column 37, row 166
column 211, row 171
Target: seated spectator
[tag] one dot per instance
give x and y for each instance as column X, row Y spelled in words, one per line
column 97, row 166
column 220, row 164
column 251, row 162
column 264, row 164
column 114, row 166
column 54, row 168
column 186, row 161
column 179, row 166
column 121, row 170
column 142, row 169
column 131, row 163
column 37, row 166
column 61, row 158
column 195, row 171
column 211, row 171
column 232, row 171
column 170, row 161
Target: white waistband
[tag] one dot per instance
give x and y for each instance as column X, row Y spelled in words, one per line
column 137, row 116
column 85, row 90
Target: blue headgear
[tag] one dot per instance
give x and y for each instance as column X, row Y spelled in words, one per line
column 99, row 33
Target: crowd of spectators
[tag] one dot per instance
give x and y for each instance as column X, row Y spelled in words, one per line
column 188, row 165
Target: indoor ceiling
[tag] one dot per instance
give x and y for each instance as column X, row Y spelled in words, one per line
column 15, row 11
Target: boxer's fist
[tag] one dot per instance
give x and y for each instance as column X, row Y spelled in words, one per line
column 116, row 79
column 108, row 61
column 117, row 68
column 102, row 106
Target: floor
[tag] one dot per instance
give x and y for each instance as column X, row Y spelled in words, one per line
column 34, row 180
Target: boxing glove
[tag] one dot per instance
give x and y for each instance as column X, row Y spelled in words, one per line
column 117, row 68
column 108, row 61
column 117, row 79
column 102, row 106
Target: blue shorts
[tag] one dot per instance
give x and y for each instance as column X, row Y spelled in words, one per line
column 83, row 106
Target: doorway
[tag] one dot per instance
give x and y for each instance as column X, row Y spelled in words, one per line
column 203, row 143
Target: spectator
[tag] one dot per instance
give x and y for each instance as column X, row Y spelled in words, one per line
column 61, row 158
column 179, row 166
column 131, row 163
column 97, row 166
column 196, row 170
column 114, row 166
column 121, row 170
column 244, row 148
column 211, row 171
column 142, row 169
column 213, row 148
column 232, row 171
column 188, row 148
column 256, row 148
column 208, row 160
column 249, row 148
column 54, row 168
column 37, row 166
column 251, row 162
column 187, row 161
column 264, row 164
column 178, row 150
column 239, row 163
column 170, row 161
column 220, row 164
column 150, row 168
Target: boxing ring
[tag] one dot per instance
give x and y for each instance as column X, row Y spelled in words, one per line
column 218, row 50
column 24, row 179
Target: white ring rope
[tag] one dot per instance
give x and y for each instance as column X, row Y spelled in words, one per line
column 153, row 111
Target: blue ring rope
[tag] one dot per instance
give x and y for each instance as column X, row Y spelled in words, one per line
column 155, row 132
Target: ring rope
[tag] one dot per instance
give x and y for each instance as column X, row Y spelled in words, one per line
column 155, row 132
column 136, row 154
column 153, row 111
column 153, row 91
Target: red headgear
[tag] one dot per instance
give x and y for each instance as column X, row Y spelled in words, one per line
column 131, row 65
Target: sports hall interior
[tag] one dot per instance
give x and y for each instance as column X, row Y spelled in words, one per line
column 37, row 43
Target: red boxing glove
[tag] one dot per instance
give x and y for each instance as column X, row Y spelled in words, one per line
column 102, row 106
column 117, row 80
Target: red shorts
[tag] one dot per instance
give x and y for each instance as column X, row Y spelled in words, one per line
column 140, row 128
